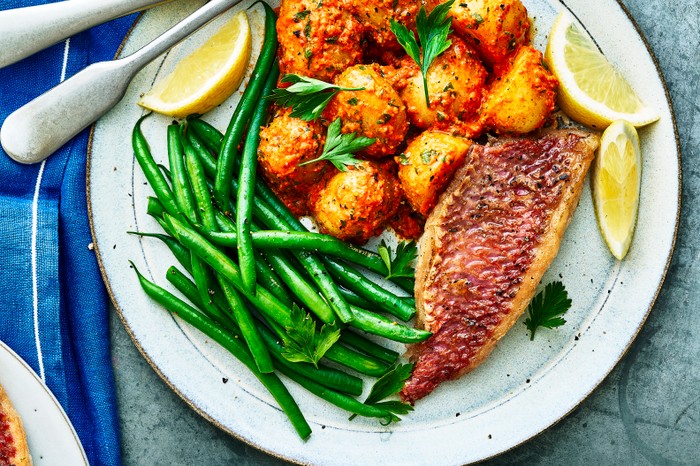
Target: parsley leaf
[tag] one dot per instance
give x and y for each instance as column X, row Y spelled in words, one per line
column 307, row 96
column 400, row 265
column 433, row 30
column 389, row 384
column 339, row 147
column 546, row 309
column 302, row 343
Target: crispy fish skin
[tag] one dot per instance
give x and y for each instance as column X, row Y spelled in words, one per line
column 486, row 245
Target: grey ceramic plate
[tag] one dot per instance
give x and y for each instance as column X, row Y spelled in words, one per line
column 50, row 434
column 523, row 388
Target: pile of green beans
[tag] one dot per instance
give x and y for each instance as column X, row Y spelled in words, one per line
column 249, row 260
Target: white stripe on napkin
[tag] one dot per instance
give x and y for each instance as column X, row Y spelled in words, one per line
column 65, row 60
column 35, row 213
column 35, row 290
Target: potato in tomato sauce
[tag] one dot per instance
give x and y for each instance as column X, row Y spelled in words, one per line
column 356, row 204
column 317, row 38
column 427, row 166
column 375, row 112
column 456, row 87
column 285, row 144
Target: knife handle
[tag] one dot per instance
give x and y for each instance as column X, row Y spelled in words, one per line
column 28, row 30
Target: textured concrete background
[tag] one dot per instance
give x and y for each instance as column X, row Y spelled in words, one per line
column 647, row 411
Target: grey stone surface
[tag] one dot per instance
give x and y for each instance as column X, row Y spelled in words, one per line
column 647, row 411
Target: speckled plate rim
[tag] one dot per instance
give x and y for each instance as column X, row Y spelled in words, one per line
column 515, row 442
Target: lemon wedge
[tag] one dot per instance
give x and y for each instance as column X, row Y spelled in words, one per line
column 616, row 180
column 591, row 90
column 207, row 76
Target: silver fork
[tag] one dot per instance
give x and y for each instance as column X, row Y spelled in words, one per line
column 36, row 130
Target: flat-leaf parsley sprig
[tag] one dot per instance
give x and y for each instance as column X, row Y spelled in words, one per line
column 546, row 309
column 387, row 385
column 306, row 96
column 401, row 266
column 433, row 30
column 302, row 343
column 339, row 148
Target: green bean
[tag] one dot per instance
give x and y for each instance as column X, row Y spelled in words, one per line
column 263, row 300
column 241, row 115
column 387, row 328
column 181, row 253
column 356, row 282
column 246, row 184
column 306, row 241
column 355, row 300
column 204, row 280
column 154, row 207
column 266, row 275
column 329, row 377
column 352, row 339
column 209, row 135
column 244, row 319
column 153, row 175
column 362, row 363
column 180, row 185
column 207, row 326
column 196, row 177
column 342, row 401
column 187, row 287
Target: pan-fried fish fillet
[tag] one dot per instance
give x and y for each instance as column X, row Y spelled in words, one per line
column 486, row 245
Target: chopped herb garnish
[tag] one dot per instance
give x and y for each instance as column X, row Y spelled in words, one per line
column 427, row 155
column 547, row 307
column 433, row 30
column 306, row 96
column 339, row 147
column 301, row 15
column 383, row 119
column 352, row 100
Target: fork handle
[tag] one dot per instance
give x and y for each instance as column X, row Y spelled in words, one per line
column 27, row 30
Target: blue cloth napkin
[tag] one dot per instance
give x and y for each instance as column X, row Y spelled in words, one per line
column 54, row 310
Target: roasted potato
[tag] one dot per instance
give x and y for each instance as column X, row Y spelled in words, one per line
column 375, row 112
column 317, row 38
column 427, row 166
column 355, row 205
column 455, row 86
column 523, row 97
column 496, row 28
column 284, row 144
column 377, row 16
